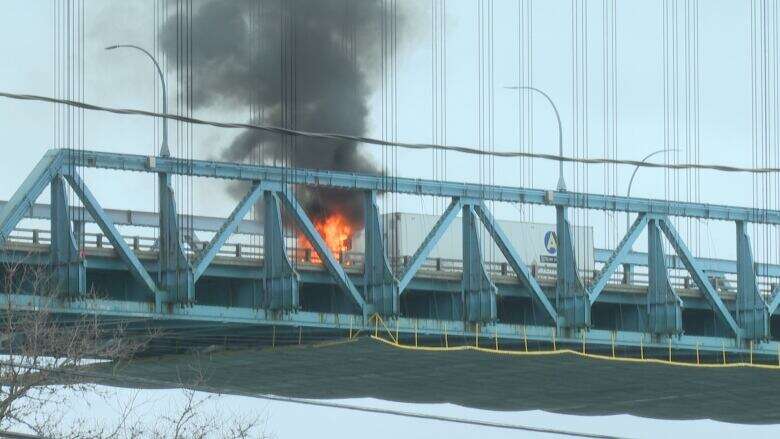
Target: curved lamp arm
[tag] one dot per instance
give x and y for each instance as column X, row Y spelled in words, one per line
column 164, row 148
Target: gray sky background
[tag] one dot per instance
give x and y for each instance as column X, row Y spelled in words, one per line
column 127, row 80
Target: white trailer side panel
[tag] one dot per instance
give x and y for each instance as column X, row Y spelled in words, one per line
column 404, row 232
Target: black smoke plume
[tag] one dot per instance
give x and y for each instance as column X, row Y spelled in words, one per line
column 303, row 64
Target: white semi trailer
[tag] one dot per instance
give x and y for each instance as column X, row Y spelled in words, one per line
column 536, row 243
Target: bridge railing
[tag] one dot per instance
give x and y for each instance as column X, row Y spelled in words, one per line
column 544, row 273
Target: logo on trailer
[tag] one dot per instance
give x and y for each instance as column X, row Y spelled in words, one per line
column 551, row 242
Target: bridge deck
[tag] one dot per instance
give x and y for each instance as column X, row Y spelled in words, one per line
column 447, row 271
column 244, row 261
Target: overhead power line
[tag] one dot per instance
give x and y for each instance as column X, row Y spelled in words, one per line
column 148, row 382
column 371, row 141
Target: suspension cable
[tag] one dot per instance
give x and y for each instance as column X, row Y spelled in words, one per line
column 373, row 141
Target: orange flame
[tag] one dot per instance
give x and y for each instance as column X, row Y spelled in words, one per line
column 335, row 230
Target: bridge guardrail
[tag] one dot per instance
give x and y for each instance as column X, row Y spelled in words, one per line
column 544, row 273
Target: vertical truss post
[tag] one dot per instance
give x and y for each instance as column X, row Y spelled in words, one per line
column 572, row 298
column 664, row 307
column 752, row 312
column 67, row 265
column 479, row 292
column 628, row 274
column 176, row 276
column 280, row 280
column 380, row 286
column 79, row 230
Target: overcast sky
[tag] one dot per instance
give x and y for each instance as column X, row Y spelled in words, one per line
column 125, row 80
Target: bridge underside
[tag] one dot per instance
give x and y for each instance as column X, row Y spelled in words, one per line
column 364, row 367
column 226, row 288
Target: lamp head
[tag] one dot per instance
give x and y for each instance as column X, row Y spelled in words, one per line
column 112, row 47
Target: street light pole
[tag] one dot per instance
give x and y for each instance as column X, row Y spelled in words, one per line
column 164, row 151
column 631, row 181
column 174, row 275
column 561, row 183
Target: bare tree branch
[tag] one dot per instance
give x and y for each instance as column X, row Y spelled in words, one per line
column 42, row 351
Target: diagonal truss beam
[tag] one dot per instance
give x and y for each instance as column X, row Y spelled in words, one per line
column 617, row 257
column 698, row 275
column 308, row 229
column 430, row 242
column 242, row 208
column 24, row 197
column 104, row 222
column 775, row 301
column 517, row 264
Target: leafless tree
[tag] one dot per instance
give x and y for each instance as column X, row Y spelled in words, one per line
column 39, row 347
column 43, row 354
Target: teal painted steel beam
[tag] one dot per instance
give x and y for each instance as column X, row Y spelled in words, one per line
column 66, row 263
column 139, row 218
column 617, row 257
column 478, row 292
column 104, row 222
column 280, row 280
column 346, row 180
column 752, row 312
column 775, row 301
column 664, row 307
column 698, row 275
column 429, row 243
column 515, row 261
column 571, row 297
column 380, row 286
column 24, row 197
column 308, row 229
column 407, row 326
column 228, row 227
column 175, row 273
column 709, row 265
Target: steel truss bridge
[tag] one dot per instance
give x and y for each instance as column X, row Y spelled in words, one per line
column 719, row 307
